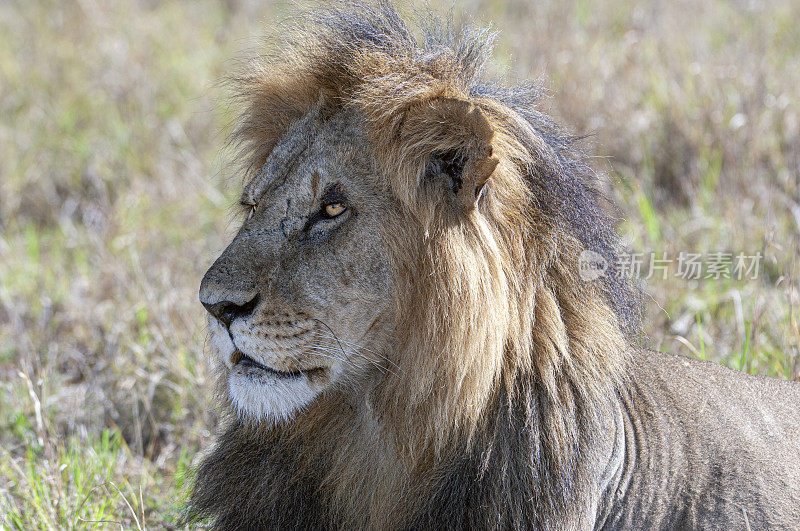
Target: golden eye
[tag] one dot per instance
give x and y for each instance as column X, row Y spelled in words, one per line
column 334, row 209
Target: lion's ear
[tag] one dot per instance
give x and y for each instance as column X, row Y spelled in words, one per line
column 455, row 138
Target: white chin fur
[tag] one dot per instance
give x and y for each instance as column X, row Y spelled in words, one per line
column 269, row 398
column 264, row 397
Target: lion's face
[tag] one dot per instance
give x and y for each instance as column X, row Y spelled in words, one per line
column 299, row 298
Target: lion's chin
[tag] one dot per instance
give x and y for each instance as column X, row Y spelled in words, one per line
column 259, row 394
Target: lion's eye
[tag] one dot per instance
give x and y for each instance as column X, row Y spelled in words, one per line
column 334, row 209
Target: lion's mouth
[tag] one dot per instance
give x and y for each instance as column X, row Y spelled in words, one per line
column 240, row 359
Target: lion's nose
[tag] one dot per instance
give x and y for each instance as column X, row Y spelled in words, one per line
column 227, row 311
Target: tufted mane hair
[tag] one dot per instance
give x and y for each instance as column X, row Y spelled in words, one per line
column 506, row 355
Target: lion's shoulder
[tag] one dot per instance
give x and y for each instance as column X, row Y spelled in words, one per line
column 712, row 442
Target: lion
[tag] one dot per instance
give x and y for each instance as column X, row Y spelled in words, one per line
column 402, row 333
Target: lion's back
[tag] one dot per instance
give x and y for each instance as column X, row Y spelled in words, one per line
column 711, row 447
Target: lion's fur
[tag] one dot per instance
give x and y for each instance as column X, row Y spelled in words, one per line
column 543, row 210
column 506, row 361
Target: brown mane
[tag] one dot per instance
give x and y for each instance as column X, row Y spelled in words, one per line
column 505, row 356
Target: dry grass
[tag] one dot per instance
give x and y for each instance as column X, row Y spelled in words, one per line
column 112, row 203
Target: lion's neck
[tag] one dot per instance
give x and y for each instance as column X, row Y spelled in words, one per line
column 350, row 462
column 549, row 420
column 348, row 472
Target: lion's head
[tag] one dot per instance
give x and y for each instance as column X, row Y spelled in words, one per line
column 302, row 298
column 408, row 256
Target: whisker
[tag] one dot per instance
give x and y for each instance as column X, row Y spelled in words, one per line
column 330, row 355
column 325, row 348
column 318, row 350
column 361, row 347
column 353, row 351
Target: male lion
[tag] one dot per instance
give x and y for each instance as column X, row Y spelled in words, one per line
column 403, row 334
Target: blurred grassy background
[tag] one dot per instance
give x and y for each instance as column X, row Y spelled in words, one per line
column 113, row 201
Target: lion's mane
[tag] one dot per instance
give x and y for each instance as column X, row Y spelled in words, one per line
column 505, row 357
